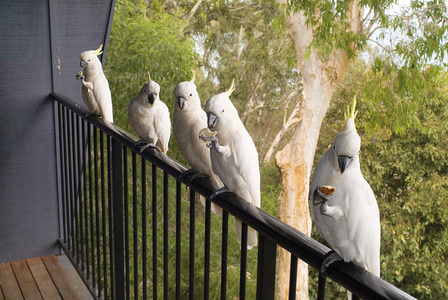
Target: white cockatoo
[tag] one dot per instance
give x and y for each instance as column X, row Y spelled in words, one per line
column 188, row 119
column 233, row 154
column 150, row 117
column 343, row 204
column 95, row 88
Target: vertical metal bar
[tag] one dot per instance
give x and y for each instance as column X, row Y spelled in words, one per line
column 91, row 211
column 126, row 220
column 144, row 244
column 165, row 235
column 293, row 278
column 67, row 176
column 321, row 287
column 103, row 218
column 154, row 231
column 243, row 264
column 135, row 222
column 192, row 236
column 225, row 239
column 86, row 201
column 82, row 181
column 76, row 172
column 267, row 256
column 111, row 216
column 117, row 200
column 97, row 262
column 207, row 250
column 178, row 235
column 63, row 138
column 70, row 171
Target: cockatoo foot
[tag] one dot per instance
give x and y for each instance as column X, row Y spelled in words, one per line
column 149, row 145
column 191, row 174
column 220, row 191
column 321, row 196
column 330, row 258
column 93, row 114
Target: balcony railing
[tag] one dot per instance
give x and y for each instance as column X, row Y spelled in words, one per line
column 113, row 201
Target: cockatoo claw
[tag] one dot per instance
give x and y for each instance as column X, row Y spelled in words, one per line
column 149, row 145
column 220, row 191
column 93, row 114
column 321, row 196
column 330, row 258
column 191, row 174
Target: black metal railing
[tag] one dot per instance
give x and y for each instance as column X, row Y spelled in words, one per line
column 113, row 203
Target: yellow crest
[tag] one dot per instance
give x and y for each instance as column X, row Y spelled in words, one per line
column 194, row 75
column 231, row 88
column 351, row 113
column 98, row 51
column 149, row 77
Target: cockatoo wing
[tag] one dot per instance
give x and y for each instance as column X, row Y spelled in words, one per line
column 186, row 127
column 363, row 226
column 351, row 225
column 162, row 126
column 240, row 173
column 103, row 97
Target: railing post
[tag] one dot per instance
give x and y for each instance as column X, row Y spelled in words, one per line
column 267, row 255
column 117, row 200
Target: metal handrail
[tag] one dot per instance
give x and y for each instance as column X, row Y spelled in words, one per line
column 359, row 281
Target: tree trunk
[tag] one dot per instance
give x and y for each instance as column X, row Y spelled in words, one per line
column 319, row 80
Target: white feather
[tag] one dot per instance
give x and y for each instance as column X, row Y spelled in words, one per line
column 235, row 158
column 151, row 122
column 95, row 87
column 351, row 225
column 187, row 122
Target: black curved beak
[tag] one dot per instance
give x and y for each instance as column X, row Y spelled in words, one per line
column 82, row 63
column 343, row 162
column 152, row 98
column 181, row 102
column 212, row 120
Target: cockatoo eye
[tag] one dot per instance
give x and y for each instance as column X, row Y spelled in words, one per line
column 191, row 95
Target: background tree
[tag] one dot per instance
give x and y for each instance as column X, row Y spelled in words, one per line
column 400, row 91
column 327, row 35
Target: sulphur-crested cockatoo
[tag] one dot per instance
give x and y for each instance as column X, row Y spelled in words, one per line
column 343, row 204
column 233, row 154
column 150, row 117
column 188, row 119
column 95, row 88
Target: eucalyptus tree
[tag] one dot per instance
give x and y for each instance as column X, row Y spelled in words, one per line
column 327, row 36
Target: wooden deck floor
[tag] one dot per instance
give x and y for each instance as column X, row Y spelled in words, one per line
column 48, row 277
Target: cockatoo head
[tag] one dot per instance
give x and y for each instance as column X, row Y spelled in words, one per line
column 347, row 144
column 90, row 57
column 220, row 111
column 186, row 96
column 149, row 93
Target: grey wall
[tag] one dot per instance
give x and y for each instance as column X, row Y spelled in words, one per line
column 39, row 53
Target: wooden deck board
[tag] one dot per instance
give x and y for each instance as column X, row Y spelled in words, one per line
column 25, row 279
column 10, row 287
column 49, row 277
column 59, row 277
column 43, row 280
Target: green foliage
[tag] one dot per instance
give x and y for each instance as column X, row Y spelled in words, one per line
column 401, row 102
column 144, row 40
column 246, row 41
column 408, row 173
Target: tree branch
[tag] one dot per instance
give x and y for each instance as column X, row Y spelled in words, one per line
column 193, row 11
